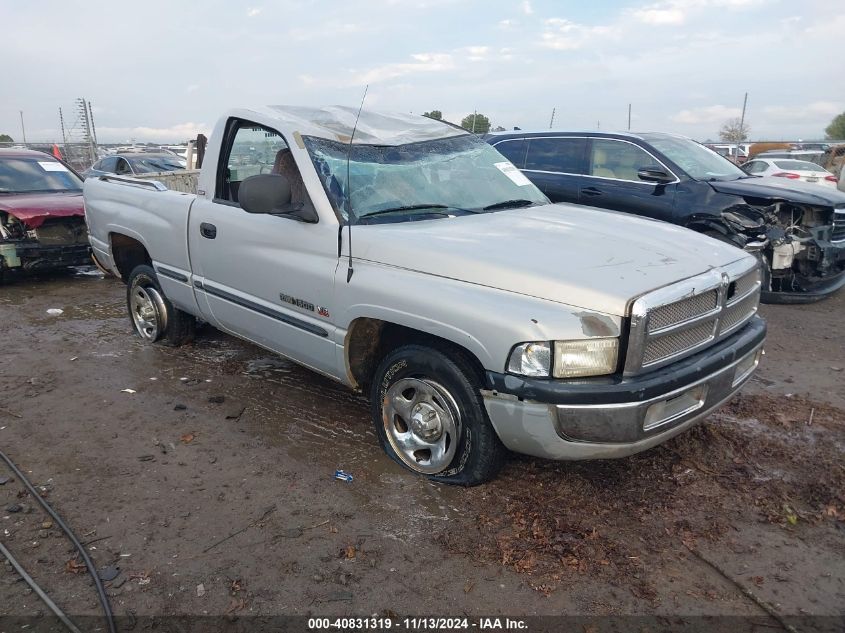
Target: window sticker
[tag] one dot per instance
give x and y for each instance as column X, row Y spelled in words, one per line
column 513, row 173
column 49, row 165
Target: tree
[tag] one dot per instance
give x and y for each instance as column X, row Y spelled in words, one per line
column 434, row 114
column 5, row 138
column 734, row 131
column 476, row 123
column 836, row 129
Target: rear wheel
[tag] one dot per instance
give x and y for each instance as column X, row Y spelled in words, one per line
column 430, row 418
column 153, row 316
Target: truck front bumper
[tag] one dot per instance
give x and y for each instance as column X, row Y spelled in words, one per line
column 612, row 417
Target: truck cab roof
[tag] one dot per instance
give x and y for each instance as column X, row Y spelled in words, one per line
column 337, row 122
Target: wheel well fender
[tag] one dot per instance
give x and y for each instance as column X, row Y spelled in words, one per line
column 368, row 340
column 127, row 253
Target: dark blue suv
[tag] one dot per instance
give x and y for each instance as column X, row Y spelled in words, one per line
column 797, row 228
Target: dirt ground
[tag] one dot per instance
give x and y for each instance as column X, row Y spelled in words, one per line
column 742, row 516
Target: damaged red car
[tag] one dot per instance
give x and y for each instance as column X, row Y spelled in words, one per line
column 42, row 218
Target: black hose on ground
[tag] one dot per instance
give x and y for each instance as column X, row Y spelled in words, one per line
column 38, row 590
column 58, row 520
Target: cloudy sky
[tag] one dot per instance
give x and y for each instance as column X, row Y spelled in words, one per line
column 164, row 70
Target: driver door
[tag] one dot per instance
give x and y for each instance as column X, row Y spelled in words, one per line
column 265, row 278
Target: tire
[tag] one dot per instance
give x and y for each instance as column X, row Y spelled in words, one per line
column 152, row 315
column 430, row 418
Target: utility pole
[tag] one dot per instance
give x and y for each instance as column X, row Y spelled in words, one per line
column 23, row 129
column 93, row 130
column 629, row 117
column 741, row 127
column 552, row 122
column 474, row 115
column 64, row 134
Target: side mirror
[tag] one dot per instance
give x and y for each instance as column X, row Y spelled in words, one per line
column 271, row 194
column 654, row 174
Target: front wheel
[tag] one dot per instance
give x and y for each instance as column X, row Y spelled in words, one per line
column 153, row 316
column 430, row 418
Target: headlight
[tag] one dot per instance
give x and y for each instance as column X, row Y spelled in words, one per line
column 589, row 357
column 572, row 359
column 531, row 359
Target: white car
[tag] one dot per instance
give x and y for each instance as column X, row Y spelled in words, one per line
column 792, row 169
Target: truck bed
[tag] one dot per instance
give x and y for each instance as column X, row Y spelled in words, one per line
column 145, row 210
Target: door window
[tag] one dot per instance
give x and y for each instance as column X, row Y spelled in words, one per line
column 123, row 167
column 253, row 150
column 107, row 164
column 513, row 150
column 755, row 167
column 563, row 155
column 619, row 159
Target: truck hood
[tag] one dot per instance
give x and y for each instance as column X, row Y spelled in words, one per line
column 580, row 256
column 34, row 208
column 769, row 187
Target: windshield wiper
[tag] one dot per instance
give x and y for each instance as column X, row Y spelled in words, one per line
column 509, row 204
column 415, row 207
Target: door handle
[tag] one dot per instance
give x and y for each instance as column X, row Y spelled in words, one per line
column 208, row 230
column 592, row 191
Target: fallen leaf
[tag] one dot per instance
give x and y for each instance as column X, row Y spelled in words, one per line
column 468, row 585
column 187, row 438
column 236, row 605
column 349, row 553
column 236, row 586
column 758, row 580
column 74, row 566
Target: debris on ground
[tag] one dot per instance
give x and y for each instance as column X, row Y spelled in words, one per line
column 200, row 590
column 108, row 573
column 74, row 566
column 343, row 476
column 55, row 311
column 555, row 522
column 217, row 399
column 127, row 390
column 187, row 438
column 235, row 413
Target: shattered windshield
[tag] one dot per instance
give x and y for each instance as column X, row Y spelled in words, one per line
column 29, row 175
column 697, row 161
column 438, row 178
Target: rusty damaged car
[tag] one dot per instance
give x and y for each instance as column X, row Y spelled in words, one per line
column 42, row 218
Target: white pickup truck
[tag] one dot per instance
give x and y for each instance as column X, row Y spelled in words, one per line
column 409, row 260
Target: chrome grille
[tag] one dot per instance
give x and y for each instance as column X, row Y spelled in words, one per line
column 683, row 310
column 739, row 312
column 678, row 320
column 838, row 233
column 657, row 349
column 742, row 286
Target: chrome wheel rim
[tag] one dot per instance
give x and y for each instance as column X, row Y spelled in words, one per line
column 148, row 312
column 422, row 424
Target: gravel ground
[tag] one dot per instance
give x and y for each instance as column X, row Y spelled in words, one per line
column 210, row 488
